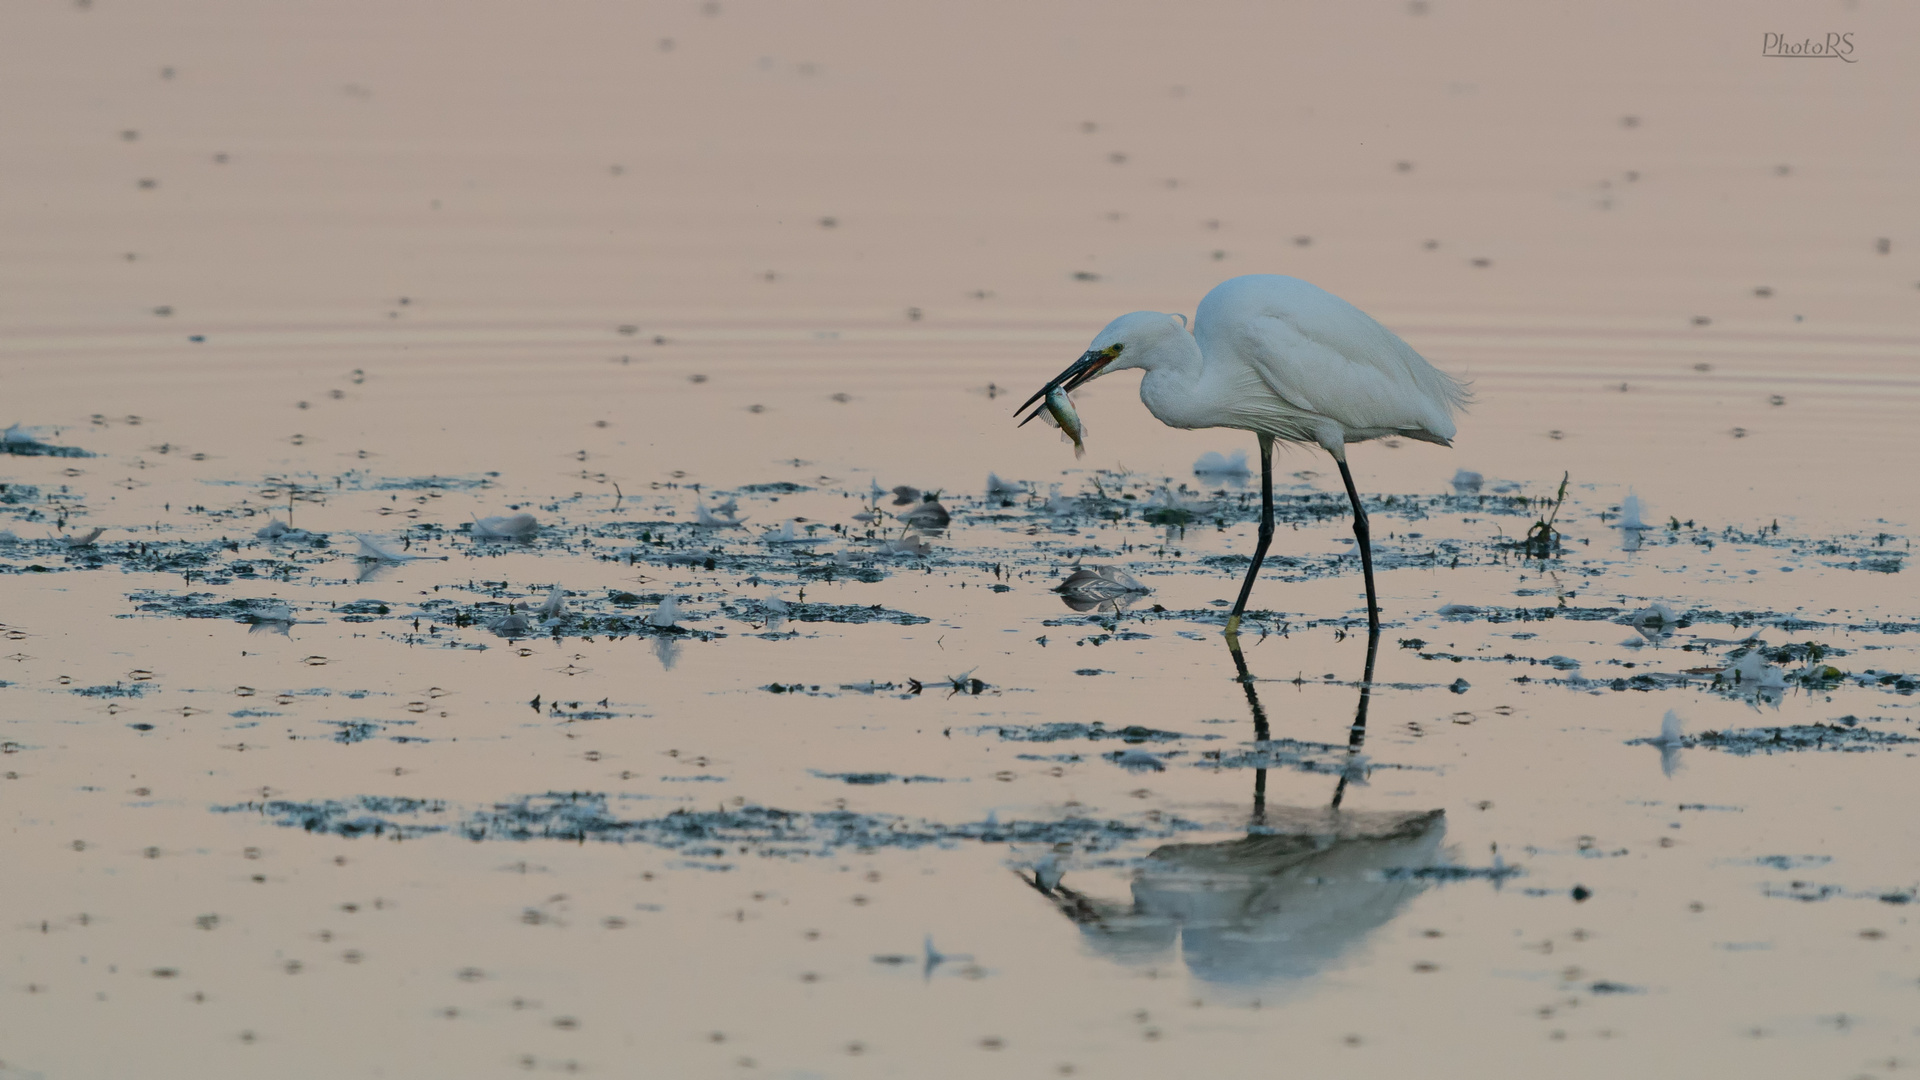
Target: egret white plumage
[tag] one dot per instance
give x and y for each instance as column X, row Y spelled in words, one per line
column 1287, row 361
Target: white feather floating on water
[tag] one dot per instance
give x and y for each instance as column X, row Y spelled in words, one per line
column 277, row 619
column 1670, row 742
column 1176, row 502
column 80, row 540
column 1466, row 483
column 667, row 615
column 708, row 519
column 1139, row 761
column 554, row 605
column 506, row 527
column 910, row 544
column 1654, row 616
column 1630, row 509
column 1047, row 871
column 785, row 534
column 997, row 486
column 279, row 532
column 1753, row 674
column 1632, row 528
column 1059, row 504
column 776, row 611
column 511, row 623
column 376, row 550
column 7, row 537
column 1214, row 463
column 1670, row 729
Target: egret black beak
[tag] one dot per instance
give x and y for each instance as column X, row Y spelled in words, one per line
column 1090, row 364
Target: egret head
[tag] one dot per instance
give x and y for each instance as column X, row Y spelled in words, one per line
column 1130, row 341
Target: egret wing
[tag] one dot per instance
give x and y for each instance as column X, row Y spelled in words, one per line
column 1322, row 355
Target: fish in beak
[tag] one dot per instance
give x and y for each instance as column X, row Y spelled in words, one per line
column 1090, row 364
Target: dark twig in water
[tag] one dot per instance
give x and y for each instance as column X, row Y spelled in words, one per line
column 1543, row 539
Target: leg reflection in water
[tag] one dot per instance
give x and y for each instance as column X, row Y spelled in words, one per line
column 1287, row 901
column 1356, row 734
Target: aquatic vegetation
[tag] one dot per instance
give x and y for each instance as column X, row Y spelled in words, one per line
column 20, row 442
column 764, row 832
column 1843, row 738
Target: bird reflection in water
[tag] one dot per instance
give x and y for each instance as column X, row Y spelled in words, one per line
column 1304, row 887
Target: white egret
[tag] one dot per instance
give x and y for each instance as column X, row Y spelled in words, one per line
column 1285, row 360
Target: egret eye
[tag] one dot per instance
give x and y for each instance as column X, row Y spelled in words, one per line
column 1114, row 350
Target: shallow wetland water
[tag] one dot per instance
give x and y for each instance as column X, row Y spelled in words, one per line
column 823, row 794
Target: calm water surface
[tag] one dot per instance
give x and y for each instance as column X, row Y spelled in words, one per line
column 278, row 809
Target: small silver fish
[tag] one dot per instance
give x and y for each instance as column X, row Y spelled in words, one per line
column 1061, row 408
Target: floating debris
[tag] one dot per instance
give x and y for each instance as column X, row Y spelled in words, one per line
column 1137, row 761
column 277, row 531
column 1466, row 483
column 1670, row 741
column 928, row 515
column 274, row 619
column 1655, row 616
column 1215, row 464
column 910, row 544
column 373, row 549
column 785, row 534
column 512, row 624
column 554, row 606
column 1169, row 507
column 998, row 488
column 506, row 527
column 667, row 615
column 718, row 518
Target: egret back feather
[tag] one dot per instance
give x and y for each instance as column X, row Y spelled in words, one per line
column 1325, row 360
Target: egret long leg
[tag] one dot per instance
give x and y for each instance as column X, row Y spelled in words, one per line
column 1266, row 538
column 1361, row 534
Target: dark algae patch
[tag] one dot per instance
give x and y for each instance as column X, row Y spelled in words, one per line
column 1796, row 737
column 708, row 834
column 876, row 778
column 1132, row 733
